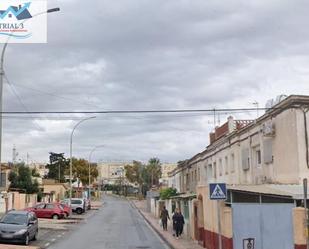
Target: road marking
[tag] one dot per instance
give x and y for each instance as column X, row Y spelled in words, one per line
column 47, row 245
column 59, row 235
column 53, row 240
column 63, row 233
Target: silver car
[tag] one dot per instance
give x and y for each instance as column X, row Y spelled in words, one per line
column 78, row 205
column 19, row 227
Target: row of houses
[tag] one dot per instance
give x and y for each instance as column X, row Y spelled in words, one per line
column 263, row 162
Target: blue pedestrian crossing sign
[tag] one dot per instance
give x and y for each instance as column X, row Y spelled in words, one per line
column 217, row 191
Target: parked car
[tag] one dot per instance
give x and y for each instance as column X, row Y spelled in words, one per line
column 78, row 205
column 19, row 227
column 48, row 210
column 67, row 210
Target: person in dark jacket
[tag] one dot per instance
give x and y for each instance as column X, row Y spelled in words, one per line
column 178, row 222
column 182, row 223
column 164, row 216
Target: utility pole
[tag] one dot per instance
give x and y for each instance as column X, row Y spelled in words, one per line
column 214, row 118
column 2, row 74
column 59, row 173
column 27, row 159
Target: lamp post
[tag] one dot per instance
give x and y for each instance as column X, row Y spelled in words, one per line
column 1, row 82
column 71, row 145
column 89, row 171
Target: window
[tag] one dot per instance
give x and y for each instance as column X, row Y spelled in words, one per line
column 195, row 175
column 209, row 172
column 49, row 206
column 258, row 157
column 76, row 202
column 198, row 174
column 215, row 170
column 226, row 165
column 40, row 206
column 220, row 167
column 232, row 163
column 245, row 159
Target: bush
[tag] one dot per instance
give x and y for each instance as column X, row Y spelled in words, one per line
column 167, row 193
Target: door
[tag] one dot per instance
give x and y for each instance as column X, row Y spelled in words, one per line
column 32, row 227
column 49, row 210
column 39, row 210
column 196, row 228
column 270, row 225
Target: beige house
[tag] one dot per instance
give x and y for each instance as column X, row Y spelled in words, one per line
column 53, row 191
column 110, row 173
column 166, row 168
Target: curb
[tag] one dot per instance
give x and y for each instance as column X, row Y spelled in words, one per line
column 153, row 227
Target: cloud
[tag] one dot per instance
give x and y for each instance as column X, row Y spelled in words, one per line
column 121, row 55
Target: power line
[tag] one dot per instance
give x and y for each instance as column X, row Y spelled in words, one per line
column 56, row 95
column 19, row 99
column 242, row 110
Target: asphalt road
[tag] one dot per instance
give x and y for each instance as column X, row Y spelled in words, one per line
column 116, row 226
column 47, row 237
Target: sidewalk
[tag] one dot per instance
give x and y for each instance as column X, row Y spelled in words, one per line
column 167, row 236
column 2, row 246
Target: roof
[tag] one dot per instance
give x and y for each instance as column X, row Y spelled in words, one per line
column 292, row 101
column 292, row 190
column 19, row 212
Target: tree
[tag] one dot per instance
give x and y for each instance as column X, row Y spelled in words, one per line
column 35, row 173
column 144, row 175
column 57, row 166
column 167, row 193
column 154, row 171
column 134, row 173
column 22, row 181
column 80, row 169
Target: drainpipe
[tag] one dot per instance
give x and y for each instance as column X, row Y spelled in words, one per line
column 306, row 135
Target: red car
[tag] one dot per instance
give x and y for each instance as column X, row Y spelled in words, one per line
column 48, row 210
column 67, row 210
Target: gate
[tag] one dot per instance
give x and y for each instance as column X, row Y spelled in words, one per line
column 270, row 225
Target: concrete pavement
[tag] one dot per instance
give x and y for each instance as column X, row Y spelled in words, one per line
column 116, row 226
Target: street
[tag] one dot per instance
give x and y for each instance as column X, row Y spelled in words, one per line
column 116, row 226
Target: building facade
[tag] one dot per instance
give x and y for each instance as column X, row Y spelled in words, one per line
column 258, row 159
column 111, row 173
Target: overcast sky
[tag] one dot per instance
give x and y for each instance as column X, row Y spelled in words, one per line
column 150, row 54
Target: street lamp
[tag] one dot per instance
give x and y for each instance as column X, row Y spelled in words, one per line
column 1, row 81
column 89, row 162
column 71, row 143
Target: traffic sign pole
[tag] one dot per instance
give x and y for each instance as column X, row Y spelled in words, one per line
column 305, row 185
column 219, row 223
column 217, row 191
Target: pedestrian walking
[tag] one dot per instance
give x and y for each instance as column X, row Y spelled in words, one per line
column 164, row 217
column 178, row 222
column 181, row 223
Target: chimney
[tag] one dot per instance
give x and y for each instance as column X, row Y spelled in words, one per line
column 231, row 124
column 19, row 6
